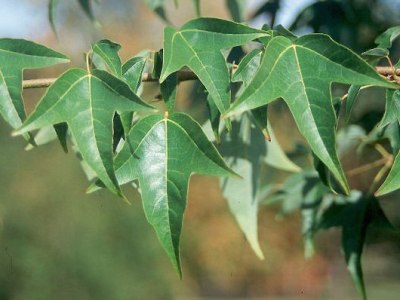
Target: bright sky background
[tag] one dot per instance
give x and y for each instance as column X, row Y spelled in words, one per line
column 24, row 18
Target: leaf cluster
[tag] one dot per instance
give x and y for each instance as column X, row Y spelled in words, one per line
column 122, row 138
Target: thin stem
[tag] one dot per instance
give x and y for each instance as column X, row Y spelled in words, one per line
column 367, row 167
column 46, row 82
column 183, row 75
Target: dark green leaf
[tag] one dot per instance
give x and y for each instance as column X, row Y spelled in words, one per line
column 351, row 99
column 162, row 153
column 354, row 214
column 158, row 7
column 237, row 9
column 107, row 51
column 86, row 6
column 392, row 181
column 132, row 72
column 198, row 45
column 15, row 56
column 301, row 72
column 87, row 102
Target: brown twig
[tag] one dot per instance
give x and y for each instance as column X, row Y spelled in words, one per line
column 184, row 75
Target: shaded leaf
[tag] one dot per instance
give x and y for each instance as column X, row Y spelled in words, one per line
column 245, row 149
column 198, row 45
column 351, row 99
column 86, row 6
column 15, row 56
column 52, row 9
column 301, row 72
column 87, row 102
column 158, row 7
column 162, row 153
column 354, row 214
column 237, row 9
column 167, row 87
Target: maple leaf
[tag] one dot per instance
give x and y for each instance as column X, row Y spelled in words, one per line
column 15, row 56
column 87, row 102
column 198, row 46
column 162, row 153
column 301, row 72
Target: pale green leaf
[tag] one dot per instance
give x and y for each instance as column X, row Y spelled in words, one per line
column 301, row 72
column 87, row 102
column 392, row 109
column 15, row 56
column 162, row 153
column 386, row 39
column 243, row 149
column 198, row 45
column 276, row 157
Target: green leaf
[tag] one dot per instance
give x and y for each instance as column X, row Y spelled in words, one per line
column 392, row 109
column 52, row 8
column 386, row 39
column 247, row 67
column 215, row 118
column 153, row 154
column 196, row 4
column 132, row 73
column 355, row 214
column 86, row 6
column 198, row 45
column 350, row 101
column 133, row 70
column 107, row 51
column 15, row 56
column 167, row 87
column 301, row 72
column 237, row 9
column 276, row 157
column 87, row 102
column 158, row 7
column 245, row 149
column 392, row 181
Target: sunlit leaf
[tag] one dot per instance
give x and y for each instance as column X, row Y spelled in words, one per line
column 15, row 56
column 198, row 45
column 162, row 153
column 107, row 51
column 301, row 72
column 87, row 102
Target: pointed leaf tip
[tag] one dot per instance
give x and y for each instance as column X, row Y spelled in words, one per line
column 163, row 176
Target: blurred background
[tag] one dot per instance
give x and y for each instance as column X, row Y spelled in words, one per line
column 56, row 242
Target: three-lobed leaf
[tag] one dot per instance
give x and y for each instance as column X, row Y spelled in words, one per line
column 197, row 45
column 162, row 153
column 15, row 56
column 301, row 72
column 87, row 102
